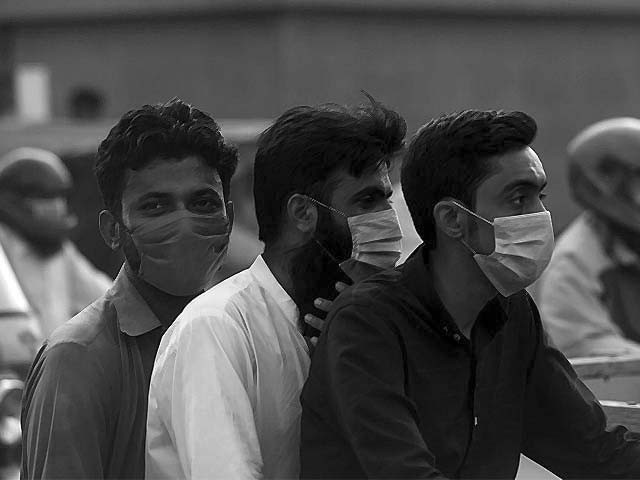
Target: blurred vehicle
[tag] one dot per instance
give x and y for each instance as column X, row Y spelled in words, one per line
column 10, row 432
column 20, row 338
column 20, row 334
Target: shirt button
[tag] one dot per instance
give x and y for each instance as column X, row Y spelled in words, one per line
column 456, row 337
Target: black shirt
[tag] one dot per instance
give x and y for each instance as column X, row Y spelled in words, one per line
column 396, row 391
column 84, row 409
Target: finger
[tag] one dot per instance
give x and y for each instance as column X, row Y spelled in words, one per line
column 314, row 321
column 323, row 304
column 341, row 286
column 314, row 341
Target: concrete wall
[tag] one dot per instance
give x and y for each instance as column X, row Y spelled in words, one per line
column 568, row 67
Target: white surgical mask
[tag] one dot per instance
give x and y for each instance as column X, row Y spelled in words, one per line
column 376, row 237
column 523, row 249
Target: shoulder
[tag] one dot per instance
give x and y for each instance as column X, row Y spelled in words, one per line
column 580, row 245
column 69, row 370
column 214, row 318
column 94, row 330
column 577, row 262
column 373, row 306
column 87, row 327
column 375, row 291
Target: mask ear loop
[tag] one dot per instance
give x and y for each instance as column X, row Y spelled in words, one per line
column 462, row 240
column 325, row 249
column 328, row 207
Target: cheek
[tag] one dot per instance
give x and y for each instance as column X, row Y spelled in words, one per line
column 130, row 251
column 484, row 238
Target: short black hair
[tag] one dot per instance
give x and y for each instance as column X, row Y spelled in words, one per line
column 307, row 145
column 171, row 130
column 450, row 157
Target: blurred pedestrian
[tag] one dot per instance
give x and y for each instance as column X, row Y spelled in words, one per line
column 224, row 395
column 164, row 173
column 440, row 368
column 35, row 223
column 589, row 297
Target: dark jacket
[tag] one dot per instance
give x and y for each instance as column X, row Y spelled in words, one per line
column 396, row 391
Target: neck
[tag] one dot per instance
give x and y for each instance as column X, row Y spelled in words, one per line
column 305, row 271
column 461, row 286
column 165, row 306
column 278, row 259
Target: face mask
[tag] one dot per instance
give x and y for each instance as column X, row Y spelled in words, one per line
column 181, row 252
column 523, row 248
column 376, row 238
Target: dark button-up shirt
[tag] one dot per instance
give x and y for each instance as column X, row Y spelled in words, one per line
column 396, row 391
column 85, row 402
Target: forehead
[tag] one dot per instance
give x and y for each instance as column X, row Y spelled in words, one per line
column 346, row 184
column 171, row 176
column 520, row 166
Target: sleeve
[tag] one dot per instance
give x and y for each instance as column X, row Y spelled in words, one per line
column 565, row 426
column 574, row 315
column 366, row 384
column 64, row 416
column 201, row 419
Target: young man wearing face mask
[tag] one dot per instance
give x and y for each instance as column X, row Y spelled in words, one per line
column 440, row 368
column 164, row 174
column 224, row 397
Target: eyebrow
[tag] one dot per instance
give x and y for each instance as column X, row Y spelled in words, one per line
column 154, row 195
column 373, row 190
column 527, row 183
column 209, row 190
column 150, row 195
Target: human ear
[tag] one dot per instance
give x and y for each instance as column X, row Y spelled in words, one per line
column 109, row 229
column 302, row 213
column 448, row 219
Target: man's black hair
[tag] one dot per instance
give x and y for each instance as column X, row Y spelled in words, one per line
column 305, row 146
column 171, row 130
column 450, row 156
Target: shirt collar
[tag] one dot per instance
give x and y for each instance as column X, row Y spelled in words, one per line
column 135, row 318
column 263, row 275
column 415, row 273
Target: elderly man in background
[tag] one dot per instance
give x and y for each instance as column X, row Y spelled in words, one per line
column 34, row 232
column 589, row 297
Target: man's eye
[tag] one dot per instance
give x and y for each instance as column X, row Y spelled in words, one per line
column 152, row 206
column 206, row 204
column 519, row 200
column 367, row 201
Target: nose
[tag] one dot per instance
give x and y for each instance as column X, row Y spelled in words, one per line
column 384, row 204
column 538, row 207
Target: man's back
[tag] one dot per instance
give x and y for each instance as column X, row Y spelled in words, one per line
column 228, row 375
column 395, row 391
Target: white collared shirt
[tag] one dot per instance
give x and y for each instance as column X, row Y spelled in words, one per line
column 224, row 394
